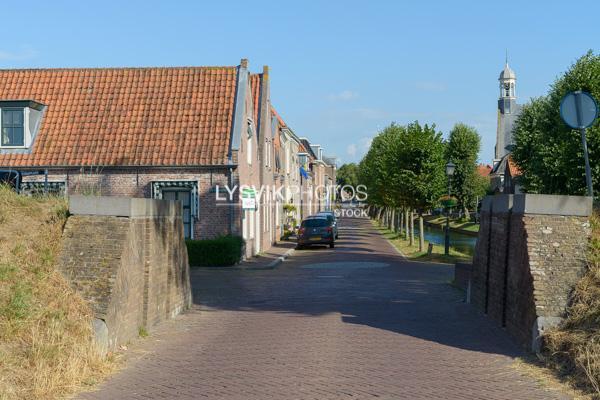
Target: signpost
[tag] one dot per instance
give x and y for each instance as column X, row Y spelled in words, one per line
column 248, row 199
column 579, row 110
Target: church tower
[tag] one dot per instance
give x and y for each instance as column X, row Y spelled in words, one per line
column 508, row 111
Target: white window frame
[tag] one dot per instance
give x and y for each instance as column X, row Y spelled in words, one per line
column 26, row 134
column 250, row 134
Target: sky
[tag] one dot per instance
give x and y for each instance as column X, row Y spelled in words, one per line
column 340, row 70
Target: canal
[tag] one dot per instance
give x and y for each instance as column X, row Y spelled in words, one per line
column 462, row 243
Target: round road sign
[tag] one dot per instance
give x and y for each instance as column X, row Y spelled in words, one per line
column 578, row 109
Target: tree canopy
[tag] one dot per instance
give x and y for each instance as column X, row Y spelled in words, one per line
column 347, row 174
column 404, row 167
column 462, row 149
column 547, row 151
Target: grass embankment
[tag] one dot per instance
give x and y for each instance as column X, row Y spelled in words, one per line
column 413, row 253
column 573, row 349
column 46, row 348
column 456, row 224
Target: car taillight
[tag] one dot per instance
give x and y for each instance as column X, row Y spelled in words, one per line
column 301, row 231
column 329, row 229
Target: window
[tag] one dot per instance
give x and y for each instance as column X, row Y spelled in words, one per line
column 41, row 188
column 249, row 141
column 13, row 127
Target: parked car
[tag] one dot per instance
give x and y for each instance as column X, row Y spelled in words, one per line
column 331, row 217
column 316, row 230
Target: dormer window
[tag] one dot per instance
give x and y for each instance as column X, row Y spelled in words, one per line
column 13, row 127
column 19, row 123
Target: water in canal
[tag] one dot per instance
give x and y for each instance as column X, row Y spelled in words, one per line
column 462, row 243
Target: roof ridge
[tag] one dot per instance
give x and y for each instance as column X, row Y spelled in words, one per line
column 117, row 68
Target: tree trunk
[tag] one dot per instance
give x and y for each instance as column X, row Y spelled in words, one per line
column 421, row 234
column 467, row 215
column 406, row 224
column 401, row 221
column 391, row 219
column 411, row 234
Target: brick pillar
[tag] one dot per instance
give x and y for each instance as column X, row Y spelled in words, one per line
column 530, row 253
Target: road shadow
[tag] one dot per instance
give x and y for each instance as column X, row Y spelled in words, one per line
column 403, row 297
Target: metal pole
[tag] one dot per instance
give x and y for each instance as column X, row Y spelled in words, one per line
column 588, row 172
column 447, row 236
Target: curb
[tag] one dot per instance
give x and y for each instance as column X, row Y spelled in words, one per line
column 273, row 264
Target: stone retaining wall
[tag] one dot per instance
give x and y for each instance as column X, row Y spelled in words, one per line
column 126, row 257
column 530, row 253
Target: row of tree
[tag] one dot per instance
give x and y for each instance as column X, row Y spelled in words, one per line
column 404, row 172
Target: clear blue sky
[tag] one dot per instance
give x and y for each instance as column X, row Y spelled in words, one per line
column 341, row 70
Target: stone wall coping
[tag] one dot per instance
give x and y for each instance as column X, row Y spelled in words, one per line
column 546, row 204
column 123, row 206
column 541, row 204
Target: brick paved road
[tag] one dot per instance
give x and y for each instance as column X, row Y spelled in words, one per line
column 329, row 331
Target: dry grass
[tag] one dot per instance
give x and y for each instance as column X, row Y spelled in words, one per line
column 573, row 349
column 46, row 349
column 533, row 368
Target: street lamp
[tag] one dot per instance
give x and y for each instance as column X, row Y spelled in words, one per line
column 450, row 167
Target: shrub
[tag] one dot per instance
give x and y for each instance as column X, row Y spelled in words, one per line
column 220, row 251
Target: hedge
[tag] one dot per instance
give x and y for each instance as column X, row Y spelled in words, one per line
column 221, row 251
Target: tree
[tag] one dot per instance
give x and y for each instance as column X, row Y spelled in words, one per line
column 421, row 169
column 404, row 168
column 548, row 152
column 462, row 149
column 347, row 174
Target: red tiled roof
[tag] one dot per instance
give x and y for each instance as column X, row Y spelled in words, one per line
column 126, row 116
column 484, row 169
column 513, row 167
column 279, row 119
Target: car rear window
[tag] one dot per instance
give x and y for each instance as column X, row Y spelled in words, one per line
column 315, row 223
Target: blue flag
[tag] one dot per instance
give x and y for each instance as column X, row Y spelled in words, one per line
column 304, row 173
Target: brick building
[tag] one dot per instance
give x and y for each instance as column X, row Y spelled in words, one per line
column 179, row 133
column 171, row 133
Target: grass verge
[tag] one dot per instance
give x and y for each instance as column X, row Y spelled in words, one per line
column 46, row 347
column 454, row 223
column 413, row 253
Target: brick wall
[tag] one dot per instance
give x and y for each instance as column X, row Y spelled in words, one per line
column 127, row 258
column 529, row 255
column 213, row 217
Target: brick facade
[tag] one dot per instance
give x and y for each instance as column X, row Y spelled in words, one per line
column 213, row 217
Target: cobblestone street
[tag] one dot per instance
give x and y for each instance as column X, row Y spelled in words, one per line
column 354, row 322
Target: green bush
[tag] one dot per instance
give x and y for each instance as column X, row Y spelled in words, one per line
column 221, row 251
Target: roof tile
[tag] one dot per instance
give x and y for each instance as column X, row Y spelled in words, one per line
column 126, row 116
